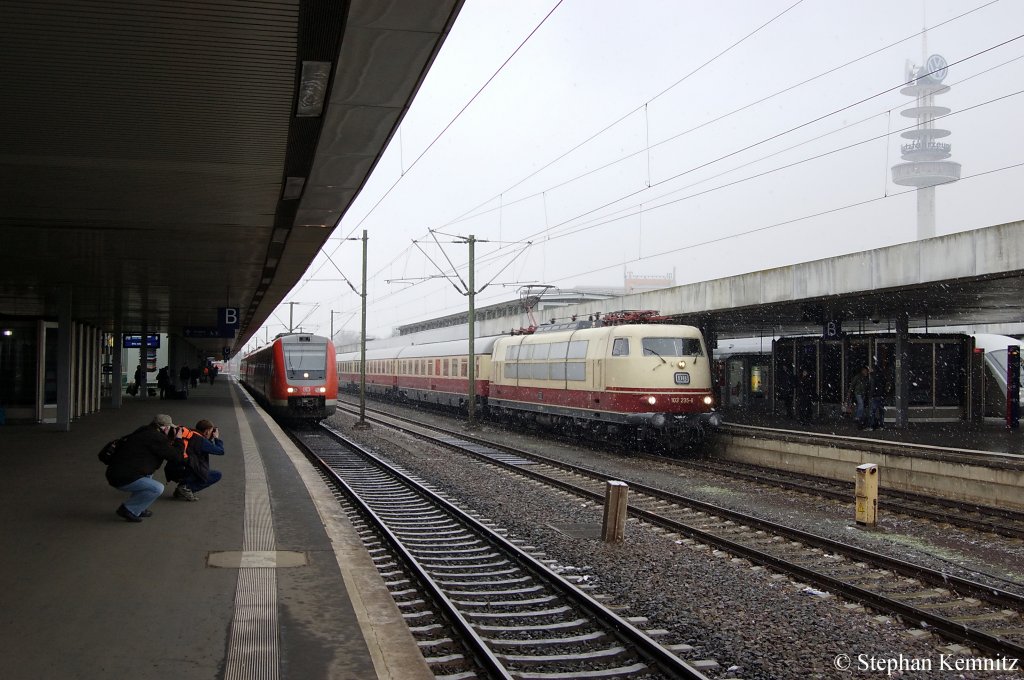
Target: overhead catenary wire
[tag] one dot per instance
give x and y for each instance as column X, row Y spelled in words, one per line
column 448, row 125
column 648, row 203
column 775, row 225
column 472, row 212
column 607, row 127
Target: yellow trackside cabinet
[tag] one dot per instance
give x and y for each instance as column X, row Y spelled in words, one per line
column 867, row 494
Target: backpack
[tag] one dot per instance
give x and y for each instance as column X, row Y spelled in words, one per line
column 178, row 470
column 106, row 454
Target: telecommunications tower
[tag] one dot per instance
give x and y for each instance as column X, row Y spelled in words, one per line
column 926, row 165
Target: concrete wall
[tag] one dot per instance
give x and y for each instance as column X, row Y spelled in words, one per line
column 954, row 479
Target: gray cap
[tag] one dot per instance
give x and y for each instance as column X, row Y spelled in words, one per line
column 162, row 420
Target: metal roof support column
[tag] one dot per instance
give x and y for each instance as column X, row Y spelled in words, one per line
column 116, row 368
column 144, row 362
column 901, row 387
column 471, row 363
column 65, row 343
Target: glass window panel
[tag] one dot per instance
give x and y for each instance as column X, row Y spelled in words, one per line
column 577, row 349
column 541, row 351
column 558, row 350
column 510, row 371
column 831, row 388
column 557, row 370
column 575, row 370
column 620, row 347
column 302, row 359
column 950, row 373
column 672, row 347
column 919, row 373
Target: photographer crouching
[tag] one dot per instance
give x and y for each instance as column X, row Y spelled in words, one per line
column 136, row 458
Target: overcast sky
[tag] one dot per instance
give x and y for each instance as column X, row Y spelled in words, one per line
column 704, row 139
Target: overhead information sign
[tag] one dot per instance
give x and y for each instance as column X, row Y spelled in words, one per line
column 131, row 340
column 208, row 332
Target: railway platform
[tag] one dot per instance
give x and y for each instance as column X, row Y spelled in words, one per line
column 991, row 436
column 979, row 464
column 262, row 577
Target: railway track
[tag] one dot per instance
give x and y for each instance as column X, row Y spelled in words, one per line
column 999, row 521
column 979, row 615
column 479, row 605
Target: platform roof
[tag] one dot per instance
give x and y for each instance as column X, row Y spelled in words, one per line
column 159, row 161
column 956, row 280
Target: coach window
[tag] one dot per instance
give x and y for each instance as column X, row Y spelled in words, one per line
column 558, row 350
column 620, row 347
column 577, row 350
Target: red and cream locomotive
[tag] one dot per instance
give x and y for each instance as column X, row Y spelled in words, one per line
column 612, row 380
column 294, row 377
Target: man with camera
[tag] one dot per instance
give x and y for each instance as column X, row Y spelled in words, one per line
column 194, row 474
column 135, row 460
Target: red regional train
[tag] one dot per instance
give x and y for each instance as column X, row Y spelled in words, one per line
column 651, row 381
column 294, row 377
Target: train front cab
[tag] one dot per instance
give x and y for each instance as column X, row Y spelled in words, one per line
column 304, row 383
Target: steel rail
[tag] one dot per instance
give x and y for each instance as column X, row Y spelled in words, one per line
column 950, row 628
column 664, row 660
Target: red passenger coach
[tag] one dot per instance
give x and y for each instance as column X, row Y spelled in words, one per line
column 294, row 377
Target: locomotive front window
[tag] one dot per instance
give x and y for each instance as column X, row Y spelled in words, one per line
column 672, row 347
column 306, row 362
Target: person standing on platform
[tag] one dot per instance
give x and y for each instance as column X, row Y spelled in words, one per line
column 858, row 394
column 136, row 459
column 877, row 389
column 183, row 376
column 196, row 475
column 163, row 381
column 140, row 374
column 804, row 396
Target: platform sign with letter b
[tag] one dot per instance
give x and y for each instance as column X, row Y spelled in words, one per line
column 227, row 317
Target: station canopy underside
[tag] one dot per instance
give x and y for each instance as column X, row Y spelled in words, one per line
column 162, row 161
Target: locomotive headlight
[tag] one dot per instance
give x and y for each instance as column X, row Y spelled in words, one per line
column 652, row 400
column 708, row 400
column 681, row 364
column 290, row 390
column 305, row 375
column 323, row 390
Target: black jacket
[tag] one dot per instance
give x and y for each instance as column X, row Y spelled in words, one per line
column 140, row 454
column 199, row 450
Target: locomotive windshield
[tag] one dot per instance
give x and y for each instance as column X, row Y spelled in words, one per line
column 672, row 347
column 306, row 362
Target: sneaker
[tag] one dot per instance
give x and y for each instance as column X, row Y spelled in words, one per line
column 185, row 493
column 146, row 513
column 127, row 514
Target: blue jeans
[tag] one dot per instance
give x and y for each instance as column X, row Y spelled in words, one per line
column 877, row 412
column 192, row 482
column 144, row 491
column 859, row 416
